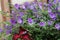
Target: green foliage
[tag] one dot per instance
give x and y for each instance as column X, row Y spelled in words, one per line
column 9, row 37
column 47, row 32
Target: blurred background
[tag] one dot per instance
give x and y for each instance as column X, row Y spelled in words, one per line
column 17, row 1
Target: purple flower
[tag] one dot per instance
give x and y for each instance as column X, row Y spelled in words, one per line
column 21, row 14
column 42, row 23
column 34, row 4
column 8, row 31
column 58, row 13
column 55, row 1
column 31, row 7
column 1, row 30
column 17, row 6
column 37, row 16
column 54, row 18
column 58, row 0
column 50, row 5
column 49, row 10
column 13, row 14
column 12, row 11
column 40, row 5
column 23, row 7
column 30, row 21
column 34, row 10
column 50, row 22
column 58, row 8
column 13, row 21
column 57, row 26
column 8, row 27
column 26, row 4
column 20, row 20
column 52, row 15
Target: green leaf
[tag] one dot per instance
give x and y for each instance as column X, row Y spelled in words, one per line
column 9, row 37
column 19, row 39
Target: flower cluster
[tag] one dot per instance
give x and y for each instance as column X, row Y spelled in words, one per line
column 36, row 19
column 32, row 13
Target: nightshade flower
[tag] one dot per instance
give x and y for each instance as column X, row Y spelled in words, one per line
column 40, row 5
column 34, row 4
column 13, row 21
column 58, row 0
column 20, row 20
column 21, row 14
column 50, row 22
column 1, row 30
column 31, row 7
column 23, row 7
column 58, row 8
column 30, row 21
column 13, row 14
column 37, row 16
column 52, row 15
column 50, row 5
column 27, row 4
column 54, row 18
column 57, row 26
column 12, row 11
column 54, row 2
column 17, row 6
column 42, row 23
column 8, row 31
column 49, row 10
column 8, row 27
column 58, row 13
